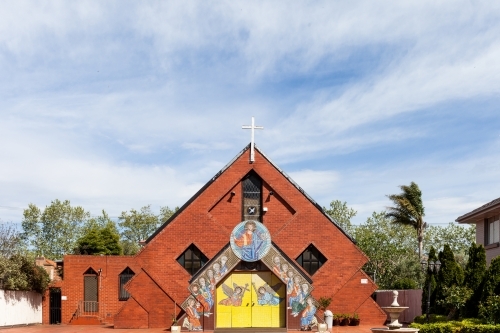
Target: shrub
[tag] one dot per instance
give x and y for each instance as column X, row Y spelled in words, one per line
column 490, row 310
column 434, row 327
column 404, row 283
column 433, row 318
column 491, row 280
column 450, row 274
column 474, row 275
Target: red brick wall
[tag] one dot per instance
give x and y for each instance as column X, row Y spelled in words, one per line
column 72, row 283
column 292, row 220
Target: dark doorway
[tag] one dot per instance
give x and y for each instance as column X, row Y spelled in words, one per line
column 55, row 306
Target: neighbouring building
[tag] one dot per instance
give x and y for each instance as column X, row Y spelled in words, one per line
column 249, row 249
column 487, row 227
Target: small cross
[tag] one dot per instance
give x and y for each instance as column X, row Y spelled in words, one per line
column 252, row 127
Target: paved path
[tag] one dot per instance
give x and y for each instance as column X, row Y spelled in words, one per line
column 110, row 329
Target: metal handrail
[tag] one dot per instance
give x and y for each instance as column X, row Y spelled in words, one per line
column 90, row 308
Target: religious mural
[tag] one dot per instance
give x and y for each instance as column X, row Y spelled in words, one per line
column 252, row 298
column 193, row 313
column 308, row 320
column 234, row 295
column 267, row 295
column 250, row 241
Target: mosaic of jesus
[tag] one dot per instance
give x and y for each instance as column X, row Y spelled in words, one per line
column 250, row 241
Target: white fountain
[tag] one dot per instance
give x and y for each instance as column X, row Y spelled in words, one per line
column 394, row 311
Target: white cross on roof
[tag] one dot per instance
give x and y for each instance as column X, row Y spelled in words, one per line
column 252, row 127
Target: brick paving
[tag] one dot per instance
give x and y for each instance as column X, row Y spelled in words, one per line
column 110, row 329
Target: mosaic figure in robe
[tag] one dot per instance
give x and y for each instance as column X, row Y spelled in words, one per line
column 289, row 283
column 206, row 292
column 217, row 272
column 223, row 267
column 192, row 319
column 267, row 295
column 307, row 319
column 196, row 292
column 212, row 282
column 234, row 296
column 284, row 272
column 277, row 266
column 298, row 303
column 249, row 242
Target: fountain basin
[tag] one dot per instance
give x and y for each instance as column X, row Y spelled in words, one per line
column 394, row 311
column 386, row 329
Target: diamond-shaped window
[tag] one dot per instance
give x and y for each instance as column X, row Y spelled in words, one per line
column 192, row 259
column 311, row 259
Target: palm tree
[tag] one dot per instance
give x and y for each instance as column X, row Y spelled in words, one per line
column 409, row 210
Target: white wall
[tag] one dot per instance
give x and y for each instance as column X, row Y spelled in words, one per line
column 20, row 308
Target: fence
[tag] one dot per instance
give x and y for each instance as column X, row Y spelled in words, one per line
column 411, row 298
column 20, row 308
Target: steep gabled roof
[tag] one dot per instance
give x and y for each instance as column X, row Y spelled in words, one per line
column 482, row 209
column 201, row 190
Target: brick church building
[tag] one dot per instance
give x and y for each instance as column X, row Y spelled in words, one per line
column 249, row 249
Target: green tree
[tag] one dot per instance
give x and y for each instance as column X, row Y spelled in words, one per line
column 139, row 225
column 10, row 240
column 455, row 298
column 458, row 237
column 491, row 280
column 475, row 271
column 342, row 214
column 387, row 245
column 408, row 210
column 430, row 279
column 53, row 232
column 166, row 213
column 19, row 272
column 449, row 275
column 100, row 236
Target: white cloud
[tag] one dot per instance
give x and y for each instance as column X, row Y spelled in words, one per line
column 92, row 95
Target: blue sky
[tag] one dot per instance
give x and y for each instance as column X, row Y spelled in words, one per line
column 115, row 105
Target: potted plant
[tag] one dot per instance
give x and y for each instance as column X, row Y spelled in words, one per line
column 174, row 327
column 344, row 319
column 336, row 319
column 354, row 320
column 324, row 303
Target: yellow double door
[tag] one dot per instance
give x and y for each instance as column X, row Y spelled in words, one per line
column 251, row 300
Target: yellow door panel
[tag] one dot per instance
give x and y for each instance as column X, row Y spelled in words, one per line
column 279, row 310
column 261, row 310
column 224, row 313
column 248, row 300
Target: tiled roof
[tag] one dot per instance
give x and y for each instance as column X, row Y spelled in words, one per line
column 477, row 210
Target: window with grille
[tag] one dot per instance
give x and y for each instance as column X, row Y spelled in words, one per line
column 192, row 259
column 492, row 230
column 123, row 278
column 252, row 198
column 311, row 259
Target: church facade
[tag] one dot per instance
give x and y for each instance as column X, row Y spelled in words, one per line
column 249, row 249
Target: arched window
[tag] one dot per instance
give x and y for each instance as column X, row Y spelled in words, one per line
column 123, row 278
column 252, row 197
